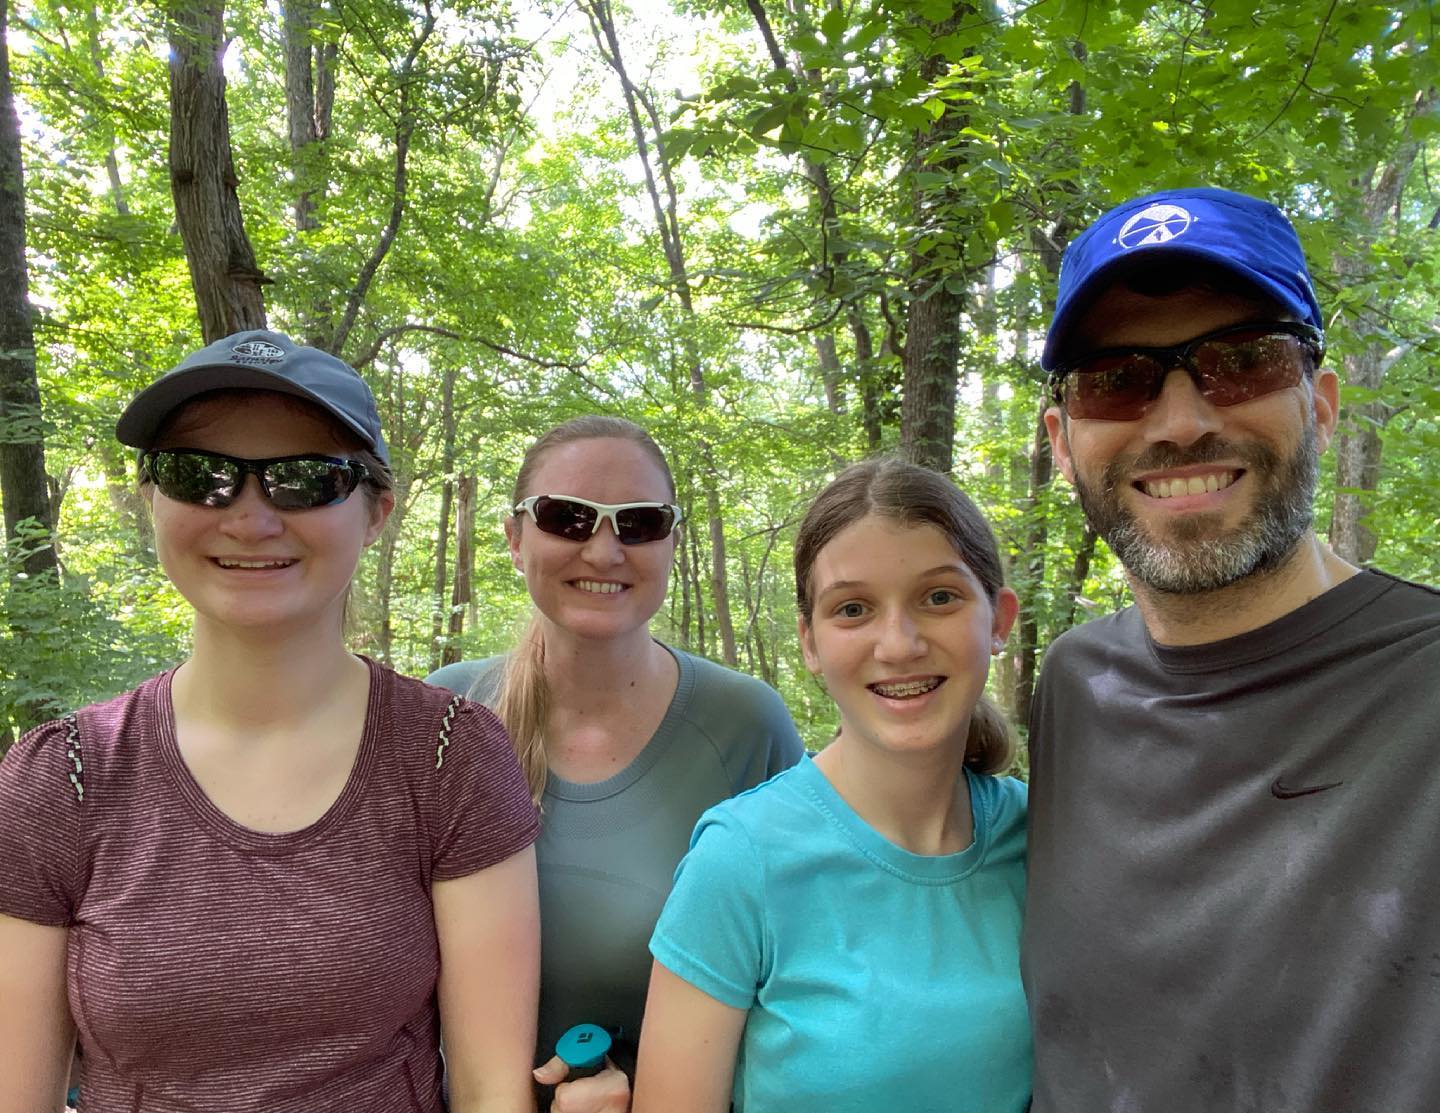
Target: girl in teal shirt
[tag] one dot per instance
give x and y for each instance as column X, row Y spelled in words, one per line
column 845, row 937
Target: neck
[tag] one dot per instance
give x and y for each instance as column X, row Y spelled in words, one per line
column 1307, row 573
column 240, row 676
column 591, row 672
column 919, row 802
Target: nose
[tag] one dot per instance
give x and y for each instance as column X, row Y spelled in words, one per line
column 251, row 516
column 602, row 549
column 1181, row 415
column 900, row 637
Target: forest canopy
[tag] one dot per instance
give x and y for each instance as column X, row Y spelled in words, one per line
column 781, row 237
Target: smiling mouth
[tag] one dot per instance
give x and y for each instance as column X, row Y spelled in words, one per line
column 908, row 689
column 1191, row 485
column 597, row 587
column 252, row 565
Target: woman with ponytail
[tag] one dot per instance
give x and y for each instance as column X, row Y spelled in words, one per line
column 846, row 937
column 625, row 741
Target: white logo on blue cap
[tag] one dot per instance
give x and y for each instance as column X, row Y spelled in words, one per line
column 259, row 350
column 1155, row 224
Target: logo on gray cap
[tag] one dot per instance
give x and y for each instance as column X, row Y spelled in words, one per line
column 1156, row 224
column 258, row 351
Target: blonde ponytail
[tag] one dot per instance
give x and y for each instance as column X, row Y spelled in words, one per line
column 523, row 705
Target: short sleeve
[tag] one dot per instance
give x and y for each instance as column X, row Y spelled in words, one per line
column 484, row 809
column 712, row 931
column 40, row 811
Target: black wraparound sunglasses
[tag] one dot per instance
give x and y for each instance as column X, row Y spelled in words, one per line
column 576, row 519
column 289, row 482
column 1228, row 366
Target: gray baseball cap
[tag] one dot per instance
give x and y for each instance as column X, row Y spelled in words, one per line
column 257, row 359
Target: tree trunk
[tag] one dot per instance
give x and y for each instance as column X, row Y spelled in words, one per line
column 830, row 373
column 932, row 347
column 462, row 593
column 223, row 270
column 1042, row 467
column 298, row 25
column 23, row 486
column 112, row 163
column 932, row 322
column 646, row 126
column 442, row 534
column 1358, row 445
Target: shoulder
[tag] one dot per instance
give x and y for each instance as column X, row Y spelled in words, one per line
column 1424, row 599
column 91, row 744
column 731, row 705
column 437, row 718
column 476, row 680
column 765, row 814
column 44, row 766
column 1109, row 637
column 1004, row 801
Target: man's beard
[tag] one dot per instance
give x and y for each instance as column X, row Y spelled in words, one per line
column 1187, row 561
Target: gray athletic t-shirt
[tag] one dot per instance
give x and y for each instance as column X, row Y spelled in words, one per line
column 1234, row 891
column 608, row 850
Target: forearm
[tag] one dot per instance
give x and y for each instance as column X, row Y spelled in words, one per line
column 37, row 1037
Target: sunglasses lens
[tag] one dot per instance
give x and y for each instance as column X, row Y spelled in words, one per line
column 639, row 524
column 1113, row 387
column 196, row 478
column 1242, row 364
column 1251, row 364
column 573, row 521
column 307, row 483
column 205, row 480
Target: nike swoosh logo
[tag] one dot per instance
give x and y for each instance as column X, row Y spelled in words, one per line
column 1285, row 792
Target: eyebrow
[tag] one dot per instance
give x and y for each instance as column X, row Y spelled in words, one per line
column 958, row 568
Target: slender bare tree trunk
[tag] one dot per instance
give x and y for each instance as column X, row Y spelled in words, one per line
column 646, row 126
column 226, row 278
column 442, row 533
column 462, row 592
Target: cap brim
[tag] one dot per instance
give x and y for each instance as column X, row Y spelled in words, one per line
column 147, row 411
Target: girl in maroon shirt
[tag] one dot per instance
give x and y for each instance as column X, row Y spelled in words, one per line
column 260, row 880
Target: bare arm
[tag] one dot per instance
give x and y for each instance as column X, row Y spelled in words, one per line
column 489, row 929
column 688, row 1046
column 37, row 1036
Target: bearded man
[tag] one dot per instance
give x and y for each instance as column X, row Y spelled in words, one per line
column 1235, row 784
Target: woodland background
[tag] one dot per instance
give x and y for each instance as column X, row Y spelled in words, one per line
column 780, row 234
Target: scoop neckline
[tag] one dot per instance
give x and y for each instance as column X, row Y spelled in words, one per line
column 247, row 838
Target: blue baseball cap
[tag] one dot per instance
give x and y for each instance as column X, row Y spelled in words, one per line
column 257, row 359
column 1250, row 238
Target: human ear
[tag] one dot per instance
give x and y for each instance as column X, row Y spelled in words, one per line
column 512, row 541
column 380, row 507
column 1060, row 442
column 1325, row 398
column 1004, row 609
column 807, row 645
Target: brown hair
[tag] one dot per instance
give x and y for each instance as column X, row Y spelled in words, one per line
column 907, row 493
column 523, row 700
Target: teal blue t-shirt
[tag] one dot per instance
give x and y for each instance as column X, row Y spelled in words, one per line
column 875, row 979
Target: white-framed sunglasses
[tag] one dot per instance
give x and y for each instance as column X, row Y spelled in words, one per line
column 577, row 519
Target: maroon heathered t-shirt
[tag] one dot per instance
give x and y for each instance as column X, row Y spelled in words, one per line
column 212, row 967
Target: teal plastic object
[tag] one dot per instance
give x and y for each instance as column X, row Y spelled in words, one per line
column 583, row 1048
